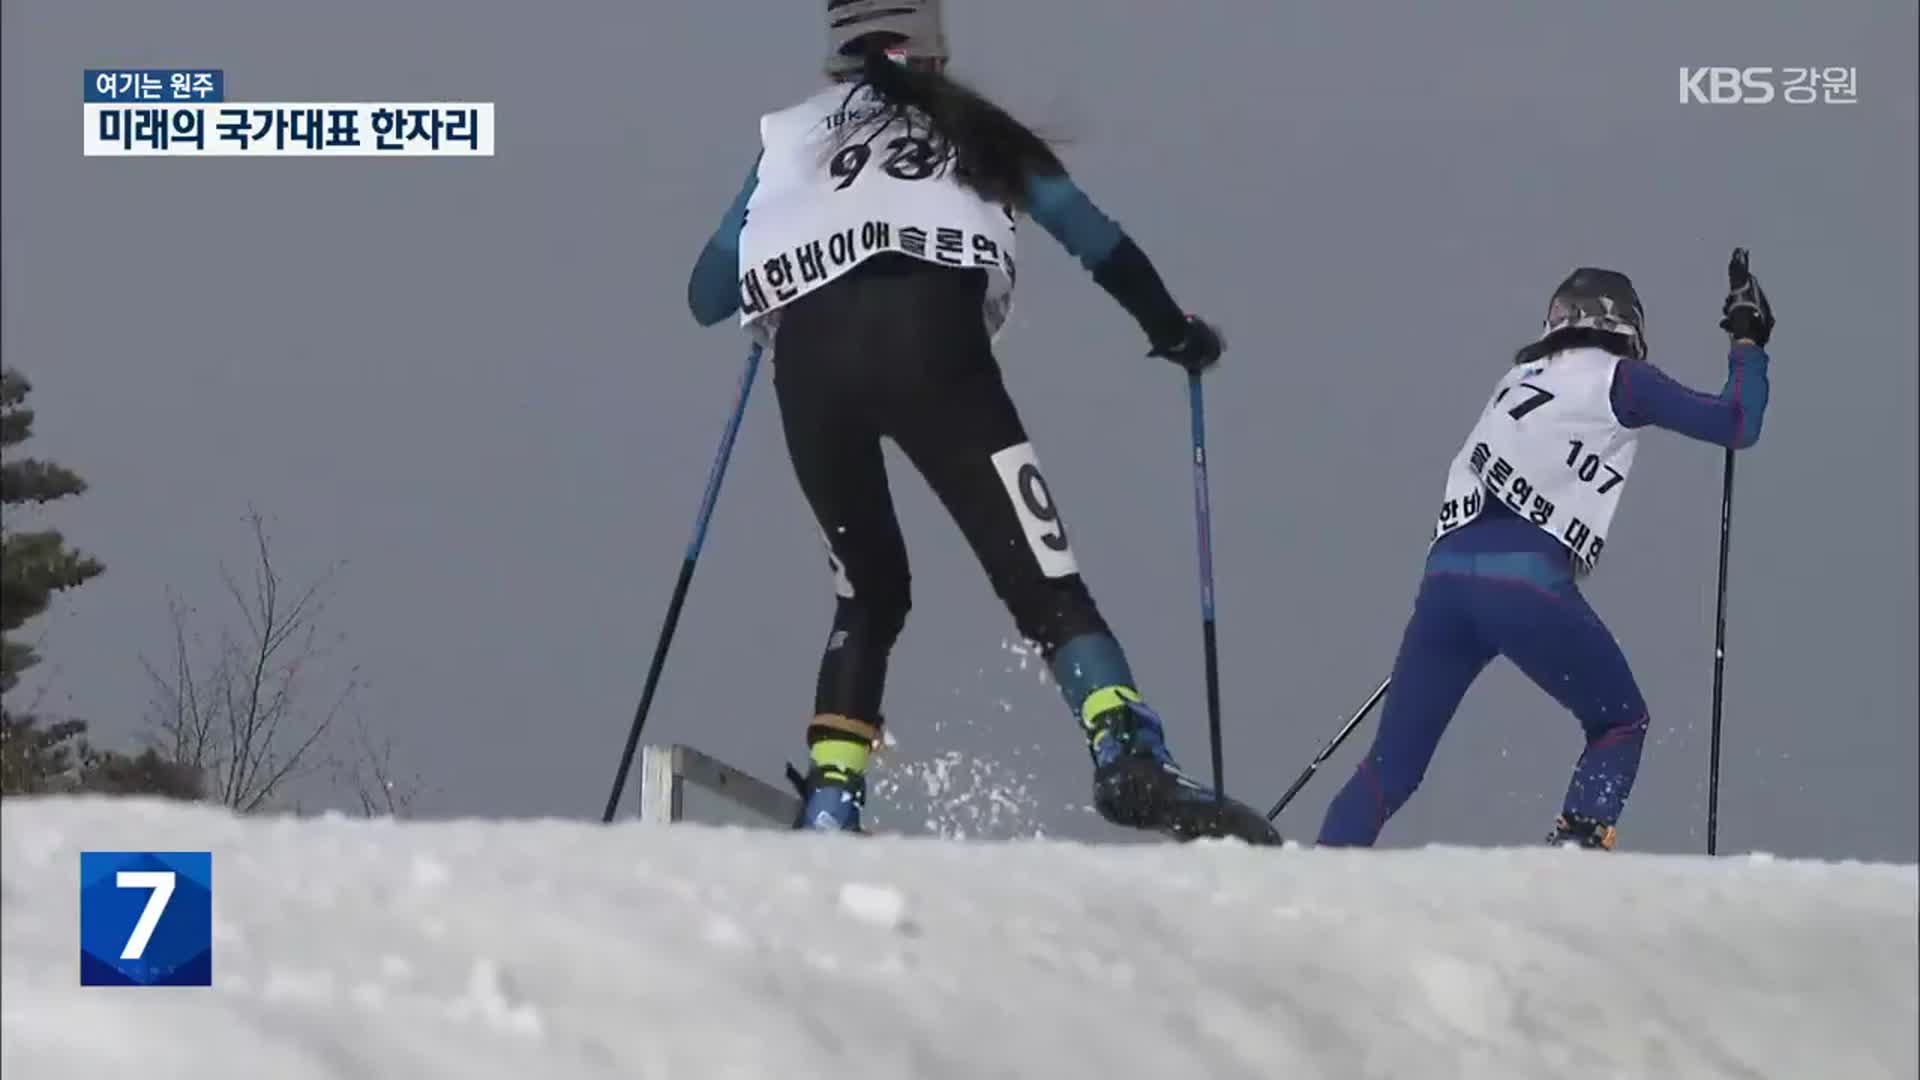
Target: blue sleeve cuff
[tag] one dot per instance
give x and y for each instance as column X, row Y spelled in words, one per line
column 713, row 290
column 1058, row 205
column 1749, row 387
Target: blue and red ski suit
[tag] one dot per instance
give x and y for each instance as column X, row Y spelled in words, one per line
column 1502, row 586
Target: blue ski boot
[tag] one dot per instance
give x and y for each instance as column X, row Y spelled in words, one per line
column 1137, row 784
column 830, row 799
column 834, row 789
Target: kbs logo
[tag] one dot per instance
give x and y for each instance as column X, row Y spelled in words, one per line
column 1726, row 85
column 1757, row 85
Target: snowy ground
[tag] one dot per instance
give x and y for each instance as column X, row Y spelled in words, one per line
column 556, row 950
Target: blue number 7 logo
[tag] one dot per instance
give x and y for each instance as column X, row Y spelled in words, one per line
column 146, row 918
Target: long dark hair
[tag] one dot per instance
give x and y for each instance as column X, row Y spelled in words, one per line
column 988, row 150
column 1575, row 337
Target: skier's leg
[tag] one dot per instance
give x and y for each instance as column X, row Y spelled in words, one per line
column 976, row 457
column 1441, row 654
column 962, row 432
column 838, row 462
column 1552, row 635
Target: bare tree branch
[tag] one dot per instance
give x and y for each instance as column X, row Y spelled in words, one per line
column 240, row 712
column 381, row 793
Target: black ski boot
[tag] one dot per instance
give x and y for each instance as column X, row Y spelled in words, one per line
column 1136, row 783
column 1579, row 830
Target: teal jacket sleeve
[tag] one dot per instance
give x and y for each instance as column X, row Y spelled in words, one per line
column 1117, row 264
column 713, row 290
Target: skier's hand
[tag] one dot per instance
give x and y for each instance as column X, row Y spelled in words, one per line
column 1745, row 314
column 1198, row 350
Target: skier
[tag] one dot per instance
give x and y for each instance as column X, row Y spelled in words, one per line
column 1528, row 501
column 871, row 250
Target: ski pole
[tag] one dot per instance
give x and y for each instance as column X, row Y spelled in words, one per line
column 1320, row 758
column 699, row 540
column 1740, row 286
column 1203, row 528
column 1719, row 660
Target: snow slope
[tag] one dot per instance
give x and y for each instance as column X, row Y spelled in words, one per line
column 552, row 950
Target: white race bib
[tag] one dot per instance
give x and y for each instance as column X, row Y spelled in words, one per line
column 816, row 212
column 1549, row 446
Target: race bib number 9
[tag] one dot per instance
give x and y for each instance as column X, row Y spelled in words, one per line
column 1039, row 515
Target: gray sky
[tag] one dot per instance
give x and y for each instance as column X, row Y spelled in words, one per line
column 476, row 381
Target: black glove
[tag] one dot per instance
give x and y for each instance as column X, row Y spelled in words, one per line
column 1198, row 350
column 1745, row 314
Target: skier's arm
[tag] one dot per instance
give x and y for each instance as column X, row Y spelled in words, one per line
column 1643, row 395
column 713, row 290
column 1109, row 254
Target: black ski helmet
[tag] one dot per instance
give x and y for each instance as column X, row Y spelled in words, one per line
column 1596, row 299
column 916, row 30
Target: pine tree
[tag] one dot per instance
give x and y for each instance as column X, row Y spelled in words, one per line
column 33, row 565
column 37, row 758
column 40, row 760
